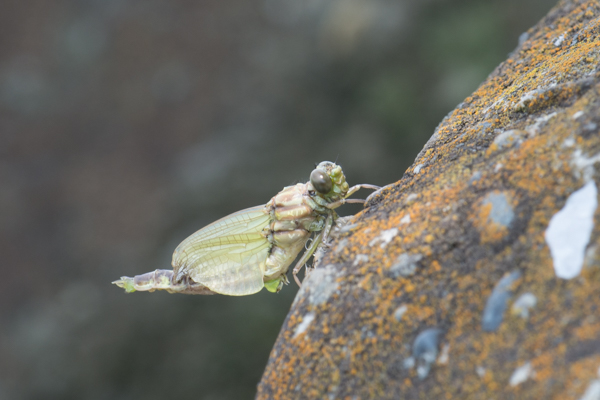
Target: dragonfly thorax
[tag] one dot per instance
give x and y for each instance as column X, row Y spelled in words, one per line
column 294, row 217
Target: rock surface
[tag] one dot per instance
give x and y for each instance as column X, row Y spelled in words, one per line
column 480, row 198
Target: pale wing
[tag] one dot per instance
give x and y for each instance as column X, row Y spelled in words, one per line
column 229, row 255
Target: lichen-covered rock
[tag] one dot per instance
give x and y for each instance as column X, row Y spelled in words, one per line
column 476, row 206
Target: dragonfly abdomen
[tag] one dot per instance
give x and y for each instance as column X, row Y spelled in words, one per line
column 286, row 246
column 160, row 279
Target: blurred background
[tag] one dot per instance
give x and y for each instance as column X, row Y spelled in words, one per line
column 127, row 125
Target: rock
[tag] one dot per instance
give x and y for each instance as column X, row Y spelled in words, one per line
column 540, row 147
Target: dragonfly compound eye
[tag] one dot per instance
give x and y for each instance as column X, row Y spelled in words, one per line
column 321, row 181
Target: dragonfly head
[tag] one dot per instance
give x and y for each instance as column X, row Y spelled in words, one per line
column 329, row 181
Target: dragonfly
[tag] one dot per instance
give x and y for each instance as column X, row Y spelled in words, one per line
column 253, row 249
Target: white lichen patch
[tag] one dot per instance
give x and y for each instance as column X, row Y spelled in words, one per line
column 405, row 219
column 341, row 246
column 509, row 139
column 405, row 265
column 359, row 259
column 475, row 177
column 534, row 128
column 559, row 40
column 444, row 355
column 400, row 311
column 578, row 114
column 384, row 238
column 584, row 165
column 494, row 105
column 409, row 362
column 423, row 370
column 593, row 391
column 569, row 142
column 521, row 374
column 523, row 304
column 411, row 198
column 303, row 326
column 480, row 371
column 590, row 260
column 526, row 99
column 569, row 231
column 321, row 285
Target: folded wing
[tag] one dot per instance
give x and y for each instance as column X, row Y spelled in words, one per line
column 227, row 256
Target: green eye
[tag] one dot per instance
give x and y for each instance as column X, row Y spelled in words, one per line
column 321, row 181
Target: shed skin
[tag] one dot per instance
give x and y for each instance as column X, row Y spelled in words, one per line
column 355, row 347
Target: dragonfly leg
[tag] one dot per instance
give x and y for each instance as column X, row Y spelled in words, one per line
column 284, row 281
column 350, row 192
column 327, row 228
column 356, row 188
column 338, row 203
column 307, row 254
column 319, row 241
column 322, row 249
column 376, row 192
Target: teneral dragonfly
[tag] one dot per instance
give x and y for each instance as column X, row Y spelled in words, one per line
column 254, row 248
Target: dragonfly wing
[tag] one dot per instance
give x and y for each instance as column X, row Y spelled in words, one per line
column 229, row 255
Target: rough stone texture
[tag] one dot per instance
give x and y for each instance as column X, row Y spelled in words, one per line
column 479, row 207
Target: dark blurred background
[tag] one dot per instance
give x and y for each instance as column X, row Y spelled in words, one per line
column 127, row 125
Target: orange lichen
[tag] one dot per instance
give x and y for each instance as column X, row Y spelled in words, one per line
column 358, row 347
